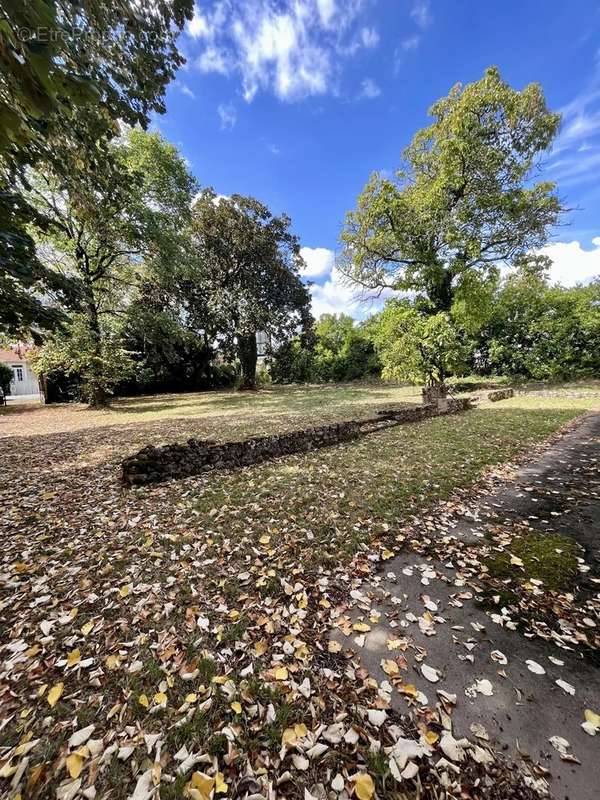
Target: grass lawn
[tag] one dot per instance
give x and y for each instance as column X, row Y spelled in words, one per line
column 194, row 610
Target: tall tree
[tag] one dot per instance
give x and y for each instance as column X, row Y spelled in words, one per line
column 70, row 70
column 247, row 277
column 463, row 201
column 104, row 231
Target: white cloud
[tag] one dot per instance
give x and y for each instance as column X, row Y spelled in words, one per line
column 184, row 89
column 421, row 13
column 227, row 115
column 338, row 296
column 292, row 47
column 335, row 294
column 197, row 27
column 319, row 261
column 575, row 156
column 369, row 37
column 369, row 89
column 571, row 263
column 327, row 11
column 213, row 59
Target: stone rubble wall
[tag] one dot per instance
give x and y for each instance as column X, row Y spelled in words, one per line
column 500, row 394
column 153, row 464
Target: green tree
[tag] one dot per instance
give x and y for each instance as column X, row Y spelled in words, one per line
column 246, row 277
column 463, row 202
column 417, row 347
column 541, row 331
column 97, row 357
column 343, row 351
column 70, row 71
column 105, row 231
column 167, row 355
column 6, row 376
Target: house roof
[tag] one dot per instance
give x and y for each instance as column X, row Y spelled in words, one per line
column 15, row 355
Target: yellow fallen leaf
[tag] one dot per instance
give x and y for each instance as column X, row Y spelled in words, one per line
column 409, row 689
column 87, row 628
column 200, row 786
column 334, row 647
column 281, row 674
column 397, row 644
column 220, row 785
column 236, row 707
column 219, row 679
column 289, row 736
column 191, row 697
column 431, row 737
column 303, row 601
column 389, row 666
column 74, row 657
column 265, row 539
column 301, row 730
column 361, row 626
column 386, row 555
column 55, row 693
column 112, row 662
column 124, row 590
column 74, row 765
column 160, row 698
column 143, row 700
column 592, row 717
column 261, row 647
column 364, row 788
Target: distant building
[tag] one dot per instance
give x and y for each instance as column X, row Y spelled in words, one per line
column 24, row 383
column 263, row 346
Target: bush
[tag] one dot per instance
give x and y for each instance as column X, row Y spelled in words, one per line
column 293, row 363
column 6, row 376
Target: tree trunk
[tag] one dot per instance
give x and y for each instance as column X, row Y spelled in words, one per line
column 247, row 353
column 98, row 396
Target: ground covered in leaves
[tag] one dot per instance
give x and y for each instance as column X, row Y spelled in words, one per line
column 173, row 640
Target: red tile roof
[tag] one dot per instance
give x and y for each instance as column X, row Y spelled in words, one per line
column 14, row 355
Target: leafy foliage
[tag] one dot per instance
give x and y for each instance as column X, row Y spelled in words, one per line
column 542, row 331
column 105, row 232
column 70, row 73
column 246, row 278
column 416, row 347
column 337, row 350
column 6, row 376
column 167, row 355
column 463, row 202
column 101, row 362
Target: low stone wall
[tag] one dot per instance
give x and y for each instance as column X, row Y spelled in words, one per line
column 500, row 394
column 153, row 464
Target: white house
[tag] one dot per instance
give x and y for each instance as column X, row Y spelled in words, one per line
column 24, row 384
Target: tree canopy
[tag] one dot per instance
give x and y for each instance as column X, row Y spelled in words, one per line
column 246, row 277
column 463, row 201
column 70, row 74
column 105, row 233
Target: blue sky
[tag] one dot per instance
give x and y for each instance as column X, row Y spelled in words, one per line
column 297, row 101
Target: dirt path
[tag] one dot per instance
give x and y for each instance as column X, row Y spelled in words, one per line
column 505, row 681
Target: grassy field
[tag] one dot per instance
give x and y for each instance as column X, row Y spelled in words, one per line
column 126, row 575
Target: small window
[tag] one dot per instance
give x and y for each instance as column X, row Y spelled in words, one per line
column 18, row 373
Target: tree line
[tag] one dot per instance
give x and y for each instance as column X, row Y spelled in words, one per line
column 533, row 331
column 130, row 276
